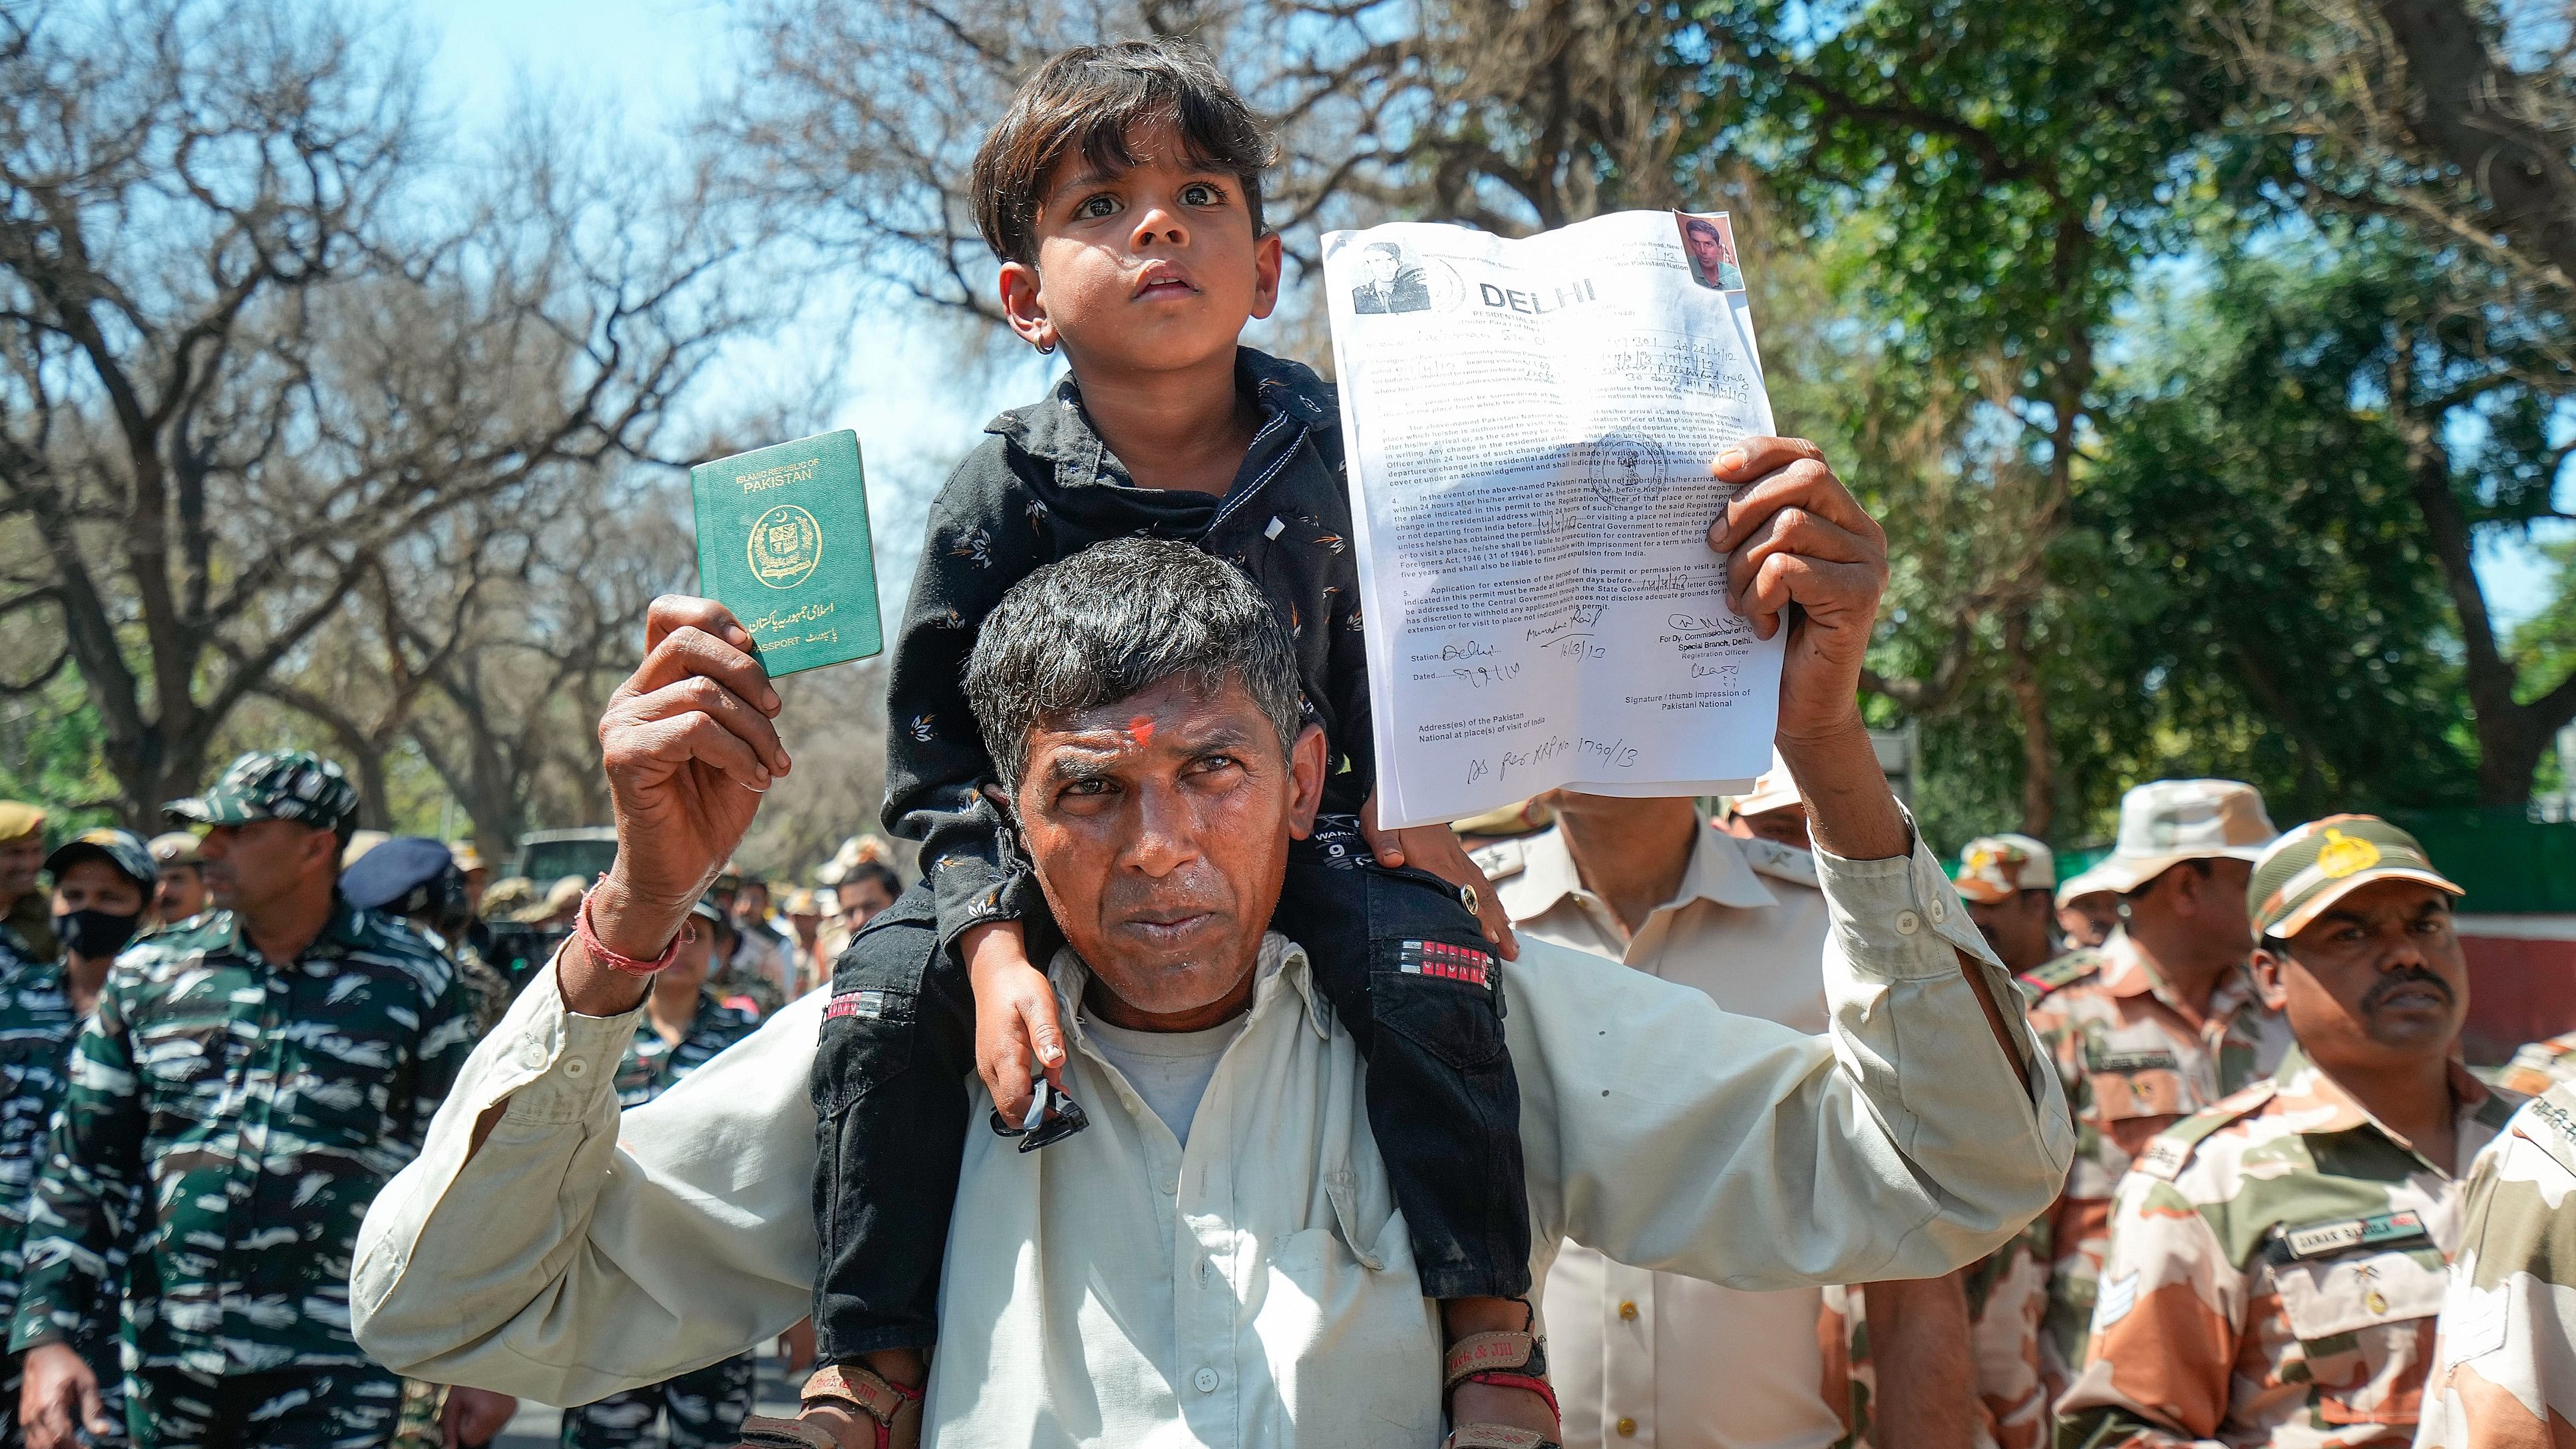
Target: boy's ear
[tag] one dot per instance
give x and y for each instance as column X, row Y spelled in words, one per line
column 1026, row 313
column 1265, row 274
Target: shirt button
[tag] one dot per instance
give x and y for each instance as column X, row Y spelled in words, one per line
column 576, row 1068
column 1940, row 909
column 1907, row 923
column 1628, row 1311
column 1166, row 1186
column 1205, row 1379
column 1627, row 1428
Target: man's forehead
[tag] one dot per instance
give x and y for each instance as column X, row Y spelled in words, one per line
column 2384, row 898
column 1177, row 713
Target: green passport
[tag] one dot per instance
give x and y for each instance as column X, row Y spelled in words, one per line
column 783, row 543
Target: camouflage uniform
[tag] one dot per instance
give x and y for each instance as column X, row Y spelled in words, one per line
column 2540, row 1066
column 706, row 1406
column 2504, row 1374
column 260, row 1105
column 2133, row 1063
column 37, row 1028
column 2275, row 1268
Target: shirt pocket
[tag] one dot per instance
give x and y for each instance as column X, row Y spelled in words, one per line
column 2137, row 1093
column 344, row 1058
column 2364, row 1323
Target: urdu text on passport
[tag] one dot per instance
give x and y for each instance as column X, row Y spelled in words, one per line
column 783, row 543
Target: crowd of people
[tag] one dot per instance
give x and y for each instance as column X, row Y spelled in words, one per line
column 1178, row 1102
column 216, row 1044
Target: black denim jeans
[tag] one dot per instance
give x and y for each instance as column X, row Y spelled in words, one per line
column 1396, row 953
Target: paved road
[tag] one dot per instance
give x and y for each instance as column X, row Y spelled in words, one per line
column 536, row 1425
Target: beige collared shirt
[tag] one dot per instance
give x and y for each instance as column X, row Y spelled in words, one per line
column 1257, row 1287
column 1658, row 1359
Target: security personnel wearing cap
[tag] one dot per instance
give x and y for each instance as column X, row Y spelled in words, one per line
column 682, row 1029
column 180, row 891
column 2277, row 1262
column 2159, row 1022
column 260, row 1072
column 417, row 879
column 26, row 936
column 101, row 881
column 2010, row 884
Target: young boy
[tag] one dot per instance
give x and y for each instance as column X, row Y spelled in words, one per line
column 1122, row 192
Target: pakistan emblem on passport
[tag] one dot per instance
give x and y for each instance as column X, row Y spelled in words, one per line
column 786, row 544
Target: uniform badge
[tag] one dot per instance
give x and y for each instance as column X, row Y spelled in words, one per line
column 2162, row 1160
column 2342, row 854
column 1439, row 958
column 2323, row 1240
column 866, row 1005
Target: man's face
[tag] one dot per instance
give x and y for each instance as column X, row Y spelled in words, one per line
column 1707, row 250
column 694, row 961
column 1382, row 266
column 94, row 885
column 2378, row 981
column 2016, row 926
column 2089, row 919
column 1152, row 269
column 20, row 860
column 179, row 893
column 1159, row 827
column 751, row 903
column 250, row 866
column 861, row 900
column 475, row 883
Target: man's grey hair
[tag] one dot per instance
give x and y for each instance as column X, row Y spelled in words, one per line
column 1116, row 620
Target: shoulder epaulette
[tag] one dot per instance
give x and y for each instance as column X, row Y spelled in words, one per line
column 1780, row 862
column 2165, row 1157
column 2065, row 971
column 1502, row 859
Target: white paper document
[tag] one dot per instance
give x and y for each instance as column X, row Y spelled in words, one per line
column 1529, row 426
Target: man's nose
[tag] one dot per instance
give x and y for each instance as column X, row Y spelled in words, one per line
column 2402, row 951
column 1166, row 832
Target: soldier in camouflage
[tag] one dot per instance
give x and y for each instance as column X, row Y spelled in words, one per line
column 682, row 1029
column 2277, row 1261
column 2159, row 1022
column 2504, row 1372
column 261, row 1071
column 102, row 883
column 2541, row 1065
column 26, row 935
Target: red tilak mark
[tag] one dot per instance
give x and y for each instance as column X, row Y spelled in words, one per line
column 1142, row 728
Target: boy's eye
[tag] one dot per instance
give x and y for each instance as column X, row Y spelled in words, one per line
column 1202, row 193
column 1095, row 207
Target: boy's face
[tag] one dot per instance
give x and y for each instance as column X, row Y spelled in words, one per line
column 1151, row 269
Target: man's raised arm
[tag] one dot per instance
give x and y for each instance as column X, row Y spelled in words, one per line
column 490, row 1260
column 1926, row 1129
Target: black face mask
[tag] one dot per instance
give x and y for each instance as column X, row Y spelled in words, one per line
column 95, row 933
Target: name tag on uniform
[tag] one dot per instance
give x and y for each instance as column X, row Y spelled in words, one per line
column 2133, row 1061
column 2324, row 1240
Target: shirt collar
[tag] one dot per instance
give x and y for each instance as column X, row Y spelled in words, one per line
column 1718, row 871
column 1057, row 430
column 1281, row 967
column 2316, row 1104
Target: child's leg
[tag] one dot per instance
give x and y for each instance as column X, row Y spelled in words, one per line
column 890, row 1069
column 1406, row 968
column 1405, row 964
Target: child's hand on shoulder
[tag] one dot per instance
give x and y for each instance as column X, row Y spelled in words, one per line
column 1436, row 848
column 1015, row 1016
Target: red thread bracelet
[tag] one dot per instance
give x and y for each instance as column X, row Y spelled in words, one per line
column 618, row 961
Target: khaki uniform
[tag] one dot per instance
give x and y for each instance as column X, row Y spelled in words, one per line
column 2504, row 1375
column 1630, row 1351
column 2274, row 1271
column 2540, row 1066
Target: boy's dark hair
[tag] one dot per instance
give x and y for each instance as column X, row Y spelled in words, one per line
column 1092, row 99
column 1113, row 621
